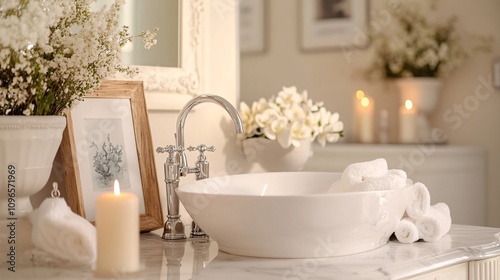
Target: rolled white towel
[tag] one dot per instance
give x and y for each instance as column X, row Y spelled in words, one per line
column 391, row 180
column 406, row 231
column 435, row 223
column 356, row 172
column 62, row 233
column 419, row 201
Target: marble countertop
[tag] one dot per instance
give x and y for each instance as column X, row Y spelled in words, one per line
column 195, row 259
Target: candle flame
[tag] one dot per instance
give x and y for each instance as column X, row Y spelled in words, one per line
column 117, row 188
column 360, row 94
column 365, row 102
column 408, row 104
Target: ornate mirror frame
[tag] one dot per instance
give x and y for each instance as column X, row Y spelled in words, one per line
column 168, row 88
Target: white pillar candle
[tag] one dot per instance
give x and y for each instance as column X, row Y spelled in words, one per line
column 357, row 112
column 117, row 226
column 366, row 120
column 407, row 123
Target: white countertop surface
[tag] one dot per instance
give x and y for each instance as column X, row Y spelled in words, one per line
column 192, row 259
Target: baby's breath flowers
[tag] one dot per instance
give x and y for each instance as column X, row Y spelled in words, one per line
column 420, row 48
column 52, row 53
column 290, row 117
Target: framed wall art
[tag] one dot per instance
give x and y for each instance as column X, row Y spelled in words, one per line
column 108, row 137
column 333, row 24
column 252, row 26
column 496, row 73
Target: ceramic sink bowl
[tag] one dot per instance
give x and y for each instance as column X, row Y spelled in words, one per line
column 291, row 214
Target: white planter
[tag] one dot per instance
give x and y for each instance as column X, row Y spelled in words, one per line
column 423, row 92
column 273, row 158
column 28, row 146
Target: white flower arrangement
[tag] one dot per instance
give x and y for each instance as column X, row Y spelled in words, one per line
column 419, row 48
column 290, row 117
column 52, row 53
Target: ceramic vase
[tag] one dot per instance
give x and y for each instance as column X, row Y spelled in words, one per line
column 28, row 145
column 274, row 158
column 424, row 94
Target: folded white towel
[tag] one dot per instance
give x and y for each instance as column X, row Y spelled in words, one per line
column 356, row 172
column 435, row 223
column 391, row 180
column 406, row 231
column 62, row 233
column 419, row 201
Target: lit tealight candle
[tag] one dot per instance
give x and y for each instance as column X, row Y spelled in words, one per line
column 407, row 122
column 117, row 226
column 366, row 119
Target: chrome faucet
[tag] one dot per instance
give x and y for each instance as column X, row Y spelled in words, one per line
column 176, row 165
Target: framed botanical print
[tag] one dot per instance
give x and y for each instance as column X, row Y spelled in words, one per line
column 108, row 138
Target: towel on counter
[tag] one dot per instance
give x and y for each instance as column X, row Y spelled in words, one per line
column 393, row 179
column 62, row 233
column 419, row 201
column 356, row 172
column 370, row 176
column 435, row 223
column 406, row 231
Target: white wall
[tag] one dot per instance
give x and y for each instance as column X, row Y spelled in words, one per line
column 334, row 76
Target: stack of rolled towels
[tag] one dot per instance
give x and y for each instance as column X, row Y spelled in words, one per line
column 370, row 176
column 421, row 219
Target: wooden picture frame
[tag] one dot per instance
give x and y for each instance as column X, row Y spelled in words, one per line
column 333, row 24
column 97, row 148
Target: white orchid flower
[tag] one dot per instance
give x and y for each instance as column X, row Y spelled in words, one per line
column 275, row 128
column 260, row 106
column 289, row 118
column 284, row 138
column 331, row 131
column 299, row 131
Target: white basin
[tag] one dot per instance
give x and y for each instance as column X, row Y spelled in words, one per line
column 291, row 214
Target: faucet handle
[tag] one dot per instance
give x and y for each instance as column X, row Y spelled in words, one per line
column 170, row 149
column 202, row 148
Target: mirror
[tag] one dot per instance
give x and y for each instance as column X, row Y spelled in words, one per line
column 142, row 15
column 168, row 88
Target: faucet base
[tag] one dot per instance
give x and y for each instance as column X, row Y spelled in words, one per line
column 197, row 232
column 173, row 229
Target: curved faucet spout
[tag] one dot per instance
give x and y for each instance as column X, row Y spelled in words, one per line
column 178, row 166
column 181, row 119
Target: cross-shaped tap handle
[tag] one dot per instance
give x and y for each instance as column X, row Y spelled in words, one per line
column 202, row 148
column 170, row 149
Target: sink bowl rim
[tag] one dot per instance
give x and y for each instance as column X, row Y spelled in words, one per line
column 182, row 188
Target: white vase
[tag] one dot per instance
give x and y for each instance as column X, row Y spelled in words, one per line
column 28, row 145
column 274, row 158
column 424, row 94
